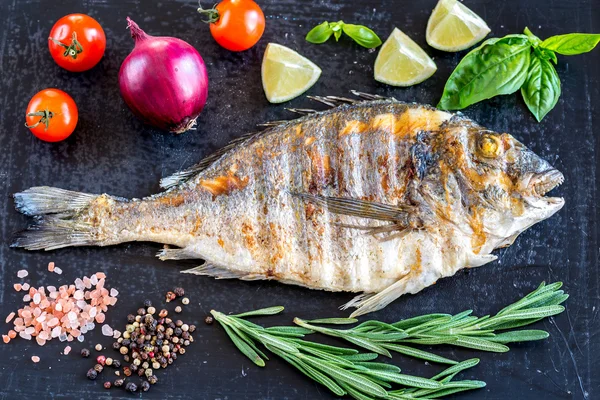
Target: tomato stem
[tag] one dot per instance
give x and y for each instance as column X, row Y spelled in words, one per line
column 71, row 50
column 212, row 14
column 46, row 116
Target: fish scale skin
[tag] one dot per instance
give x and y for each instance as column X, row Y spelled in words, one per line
column 263, row 230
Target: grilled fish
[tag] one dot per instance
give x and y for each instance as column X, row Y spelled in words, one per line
column 375, row 196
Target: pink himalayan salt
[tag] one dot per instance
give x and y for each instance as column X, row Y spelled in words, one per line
column 58, row 270
column 18, row 287
column 9, row 317
column 62, row 312
column 67, row 350
column 51, row 266
column 22, row 273
column 107, row 330
column 35, row 359
column 25, row 286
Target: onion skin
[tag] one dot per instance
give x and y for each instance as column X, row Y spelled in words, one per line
column 163, row 81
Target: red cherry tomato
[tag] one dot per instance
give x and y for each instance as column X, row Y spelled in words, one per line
column 51, row 115
column 236, row 24
column 77, row 42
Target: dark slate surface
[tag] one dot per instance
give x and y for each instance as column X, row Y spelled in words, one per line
column 113, row 152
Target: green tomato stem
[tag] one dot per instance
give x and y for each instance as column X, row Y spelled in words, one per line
column 46, row 116
column 212, row 13
column 72, row 50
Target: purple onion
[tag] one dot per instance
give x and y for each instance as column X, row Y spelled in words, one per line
column 163, row 81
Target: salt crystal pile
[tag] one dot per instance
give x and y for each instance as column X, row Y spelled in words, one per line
column 66, row 313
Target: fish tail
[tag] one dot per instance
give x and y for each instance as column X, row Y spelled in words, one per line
column 58, row 219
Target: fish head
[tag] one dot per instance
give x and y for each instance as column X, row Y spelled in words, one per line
column 500, row 179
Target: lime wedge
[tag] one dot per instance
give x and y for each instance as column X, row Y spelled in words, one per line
column 401, row 62
column 286, row 74
column 453, row 27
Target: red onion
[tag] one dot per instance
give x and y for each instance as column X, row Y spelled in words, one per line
column 163, row 81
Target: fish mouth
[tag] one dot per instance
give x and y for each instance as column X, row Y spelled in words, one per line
column 544, row 182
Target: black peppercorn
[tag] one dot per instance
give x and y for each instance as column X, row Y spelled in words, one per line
column 174, row 356
column 208, row 320
column 147, row 303
column 92, row 374
column 159, row 342
column 116, row 345
column 85, row 353
column 178, row 331
column 144, row 356
column 131, row 318
column 116, row 364
column 192, row 328
column 145, row 386
column 141, row 311
column 141, row 372
column 152, row 379
column 170, row 361
column 179, row 323
column 133, row 368
column 179, row 291
column 126, row 342
column 185, row 335
column 126, row 358
column 98, row 368
column 107, row 385
column 119, row 382
column 131, row 387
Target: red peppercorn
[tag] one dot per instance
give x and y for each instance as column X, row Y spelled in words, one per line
column 107, row 385
column 151, row 354
column 101, row 360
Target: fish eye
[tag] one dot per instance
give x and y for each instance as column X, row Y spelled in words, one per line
column 489, row 146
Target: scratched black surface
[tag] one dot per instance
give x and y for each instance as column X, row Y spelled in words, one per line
column 113, row 152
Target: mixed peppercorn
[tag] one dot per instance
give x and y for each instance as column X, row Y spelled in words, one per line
column 149, row 342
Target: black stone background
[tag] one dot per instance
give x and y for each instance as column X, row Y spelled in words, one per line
column 111, row 151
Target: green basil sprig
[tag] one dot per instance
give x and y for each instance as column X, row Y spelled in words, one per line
column 359, row 33
column 504, row 65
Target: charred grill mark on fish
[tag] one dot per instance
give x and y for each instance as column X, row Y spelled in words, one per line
column 376, row 196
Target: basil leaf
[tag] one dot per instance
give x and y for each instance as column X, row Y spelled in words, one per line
column 319, row 34
column 337, row 29
column 542, row 87
column 362, row 35
column 532, row 38
column 498, row 66
column 572, row 43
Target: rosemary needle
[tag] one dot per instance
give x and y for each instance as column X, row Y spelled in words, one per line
column 462, row 329
column 342, row 370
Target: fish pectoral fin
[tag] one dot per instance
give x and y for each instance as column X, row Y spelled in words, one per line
column 370, row 302
column 477, row 260
column 176, row 254
column 359, row 208
column 217, row 272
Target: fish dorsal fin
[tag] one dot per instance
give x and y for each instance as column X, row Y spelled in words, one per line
column 182, row 176
column 331, row 101
column 359, row 208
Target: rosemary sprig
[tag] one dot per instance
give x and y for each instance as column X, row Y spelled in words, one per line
column 462, row 329
column 341, row 370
